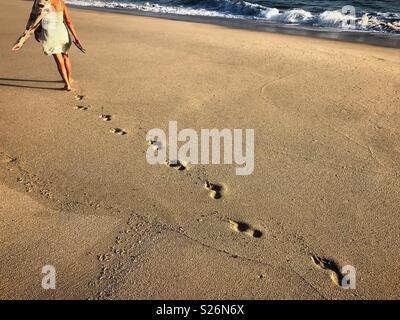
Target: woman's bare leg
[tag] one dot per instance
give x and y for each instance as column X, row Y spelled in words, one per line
column 68, row 67
column 62, row 70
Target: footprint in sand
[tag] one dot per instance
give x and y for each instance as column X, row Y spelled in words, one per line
column 176, row 165
column 155, row 144
column 82, row 108
column 79, row 97
column 118, row 131
column 334, row 272
column 106, row 117
column 244, row 228
column 215, row 190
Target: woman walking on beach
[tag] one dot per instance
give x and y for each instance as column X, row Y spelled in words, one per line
column 50, row 21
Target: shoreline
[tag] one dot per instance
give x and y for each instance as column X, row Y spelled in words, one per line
column 363, row 37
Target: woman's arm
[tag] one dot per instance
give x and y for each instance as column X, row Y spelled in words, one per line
column 69, row 23
column 37, row 14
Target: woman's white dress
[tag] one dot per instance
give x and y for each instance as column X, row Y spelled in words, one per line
column 54, row 36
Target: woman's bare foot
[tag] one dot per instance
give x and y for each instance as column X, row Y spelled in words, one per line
column 71, row 81
column 68, row 86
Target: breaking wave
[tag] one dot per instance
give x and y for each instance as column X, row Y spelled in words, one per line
column 365, row 21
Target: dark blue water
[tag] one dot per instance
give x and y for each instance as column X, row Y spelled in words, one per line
column 362, row 16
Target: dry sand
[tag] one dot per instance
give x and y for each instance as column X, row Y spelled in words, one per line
column 76, row 196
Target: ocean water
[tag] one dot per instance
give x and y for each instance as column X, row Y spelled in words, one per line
column 364, row 15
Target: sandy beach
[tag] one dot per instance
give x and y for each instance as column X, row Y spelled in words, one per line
column 77, row 195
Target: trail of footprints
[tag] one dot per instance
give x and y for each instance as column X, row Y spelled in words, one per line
column 215, row 191
column 104, row 117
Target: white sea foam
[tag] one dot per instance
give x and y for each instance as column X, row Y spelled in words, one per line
column 149, row 7
column 289, row 16
column 381, row 22
column 334, row 19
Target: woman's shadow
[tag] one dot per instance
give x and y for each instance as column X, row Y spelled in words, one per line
column 15, row 85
